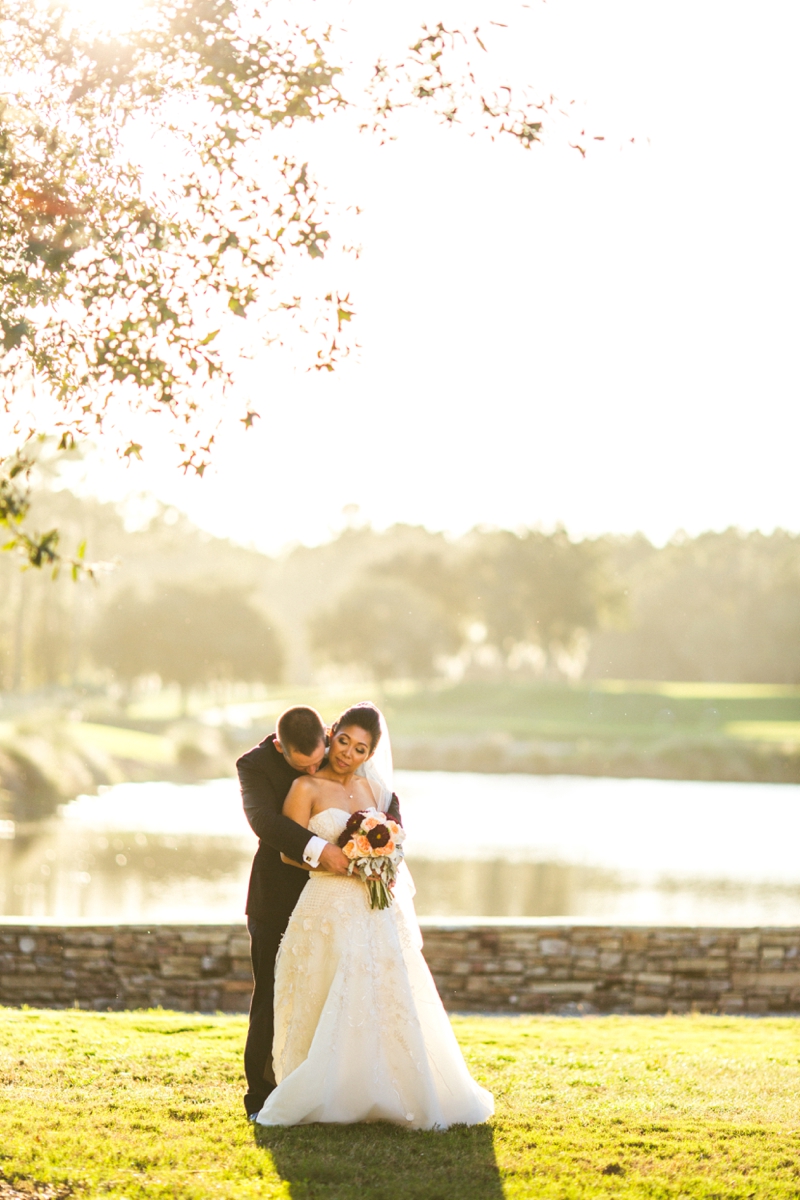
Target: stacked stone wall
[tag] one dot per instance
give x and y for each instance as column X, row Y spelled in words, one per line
column 524, row 966
column 192, row 968
column 616, row 969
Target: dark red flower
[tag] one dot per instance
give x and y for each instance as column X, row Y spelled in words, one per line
column 351, row 828
column 379, row 836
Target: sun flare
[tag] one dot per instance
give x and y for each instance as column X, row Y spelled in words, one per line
column 109, row 18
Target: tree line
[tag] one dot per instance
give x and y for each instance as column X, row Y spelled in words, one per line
column 190, row 609
column 716, row 607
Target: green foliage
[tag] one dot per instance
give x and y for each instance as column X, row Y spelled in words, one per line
column 718, row 607
column 47, row 629
column 408, row 612
column 37, row 549
column 135, row 269
column 115, row 284
column 388, row 629
column 541, row 589
column 188, row 636
column 142, row 1105
column 721, row 606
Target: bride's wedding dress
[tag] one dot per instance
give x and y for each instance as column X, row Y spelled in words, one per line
column 360, row 1031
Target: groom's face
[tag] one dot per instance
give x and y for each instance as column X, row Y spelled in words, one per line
column 308, row 764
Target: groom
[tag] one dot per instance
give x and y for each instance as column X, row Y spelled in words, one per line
column 265, row 775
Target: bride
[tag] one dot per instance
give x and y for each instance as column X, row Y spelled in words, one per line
column 360, row 1031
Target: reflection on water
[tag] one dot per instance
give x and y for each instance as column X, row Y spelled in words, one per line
column 129, row 877
column 478, row 845
column 500, row 888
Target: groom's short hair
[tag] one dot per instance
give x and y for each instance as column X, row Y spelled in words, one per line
column 301, row 729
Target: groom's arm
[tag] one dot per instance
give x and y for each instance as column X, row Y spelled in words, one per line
column 393, row 811
column 262, row 806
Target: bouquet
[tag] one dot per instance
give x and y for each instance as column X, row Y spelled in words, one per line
column 373, row 843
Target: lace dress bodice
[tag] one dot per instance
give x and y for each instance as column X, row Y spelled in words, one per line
column 329, row 823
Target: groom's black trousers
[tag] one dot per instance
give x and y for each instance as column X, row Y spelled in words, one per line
column 265, row 938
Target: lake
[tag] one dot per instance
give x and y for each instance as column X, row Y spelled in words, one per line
column 611, row 850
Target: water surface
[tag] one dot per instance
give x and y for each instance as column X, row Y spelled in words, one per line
column 478, row 845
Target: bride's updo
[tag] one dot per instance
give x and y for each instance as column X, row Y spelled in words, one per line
column 366, row 716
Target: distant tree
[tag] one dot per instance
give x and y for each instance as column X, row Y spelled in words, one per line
column 440, row 572
column 122, row 638
column 119, row 289
column 188, row 636
column 36, row 631
column 388, row 629
column 718, row 607
column 539, row 589
column 410, row 610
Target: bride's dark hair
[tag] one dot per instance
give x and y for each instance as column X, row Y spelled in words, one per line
column 365, row 716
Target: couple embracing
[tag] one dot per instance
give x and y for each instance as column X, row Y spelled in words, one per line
column 346, row 1024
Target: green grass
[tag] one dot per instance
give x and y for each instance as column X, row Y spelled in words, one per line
column 639, row 712
column 131, row 1105
column 607, row 710
column 785, row 732
column 687, row 689
column 125, row 743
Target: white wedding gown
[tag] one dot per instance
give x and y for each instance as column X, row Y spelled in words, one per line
column 360, row 1031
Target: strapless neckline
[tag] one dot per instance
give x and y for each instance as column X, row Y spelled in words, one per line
column 329, row 823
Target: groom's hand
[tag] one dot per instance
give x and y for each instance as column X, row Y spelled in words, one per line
column 333, row 859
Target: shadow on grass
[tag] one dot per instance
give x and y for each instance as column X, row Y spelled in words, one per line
column 382, row 1162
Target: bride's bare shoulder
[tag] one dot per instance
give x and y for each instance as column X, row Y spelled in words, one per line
column 305, row 786
column 300, row 798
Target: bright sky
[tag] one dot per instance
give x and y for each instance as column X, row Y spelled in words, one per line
column 609, row 343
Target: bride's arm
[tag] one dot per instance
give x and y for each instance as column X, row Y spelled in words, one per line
column 297, row 806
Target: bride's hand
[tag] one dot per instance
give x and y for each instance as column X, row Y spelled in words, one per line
column 333, row 859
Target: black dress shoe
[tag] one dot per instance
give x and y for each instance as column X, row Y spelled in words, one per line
column 249, row 1108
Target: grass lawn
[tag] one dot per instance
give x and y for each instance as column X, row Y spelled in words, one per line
column 125, row 743
column 128, row 1105
column 603, row 710
column 606, row 710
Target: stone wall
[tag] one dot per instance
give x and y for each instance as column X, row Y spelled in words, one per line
column 594, row 968
column 193, row 968
column 522, row 966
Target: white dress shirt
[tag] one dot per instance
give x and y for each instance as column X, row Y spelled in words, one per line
column 314, row 847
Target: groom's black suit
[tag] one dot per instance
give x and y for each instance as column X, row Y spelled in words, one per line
column 265, row 778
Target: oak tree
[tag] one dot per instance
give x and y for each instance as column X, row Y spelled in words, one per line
column 121, row 287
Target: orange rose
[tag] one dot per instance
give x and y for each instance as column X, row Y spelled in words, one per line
column 362, row 846
column 387, row 849
column 350, row 849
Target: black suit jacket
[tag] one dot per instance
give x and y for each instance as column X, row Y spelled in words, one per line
column 265, row 778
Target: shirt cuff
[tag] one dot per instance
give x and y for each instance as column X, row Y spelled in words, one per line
column 314, row 847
